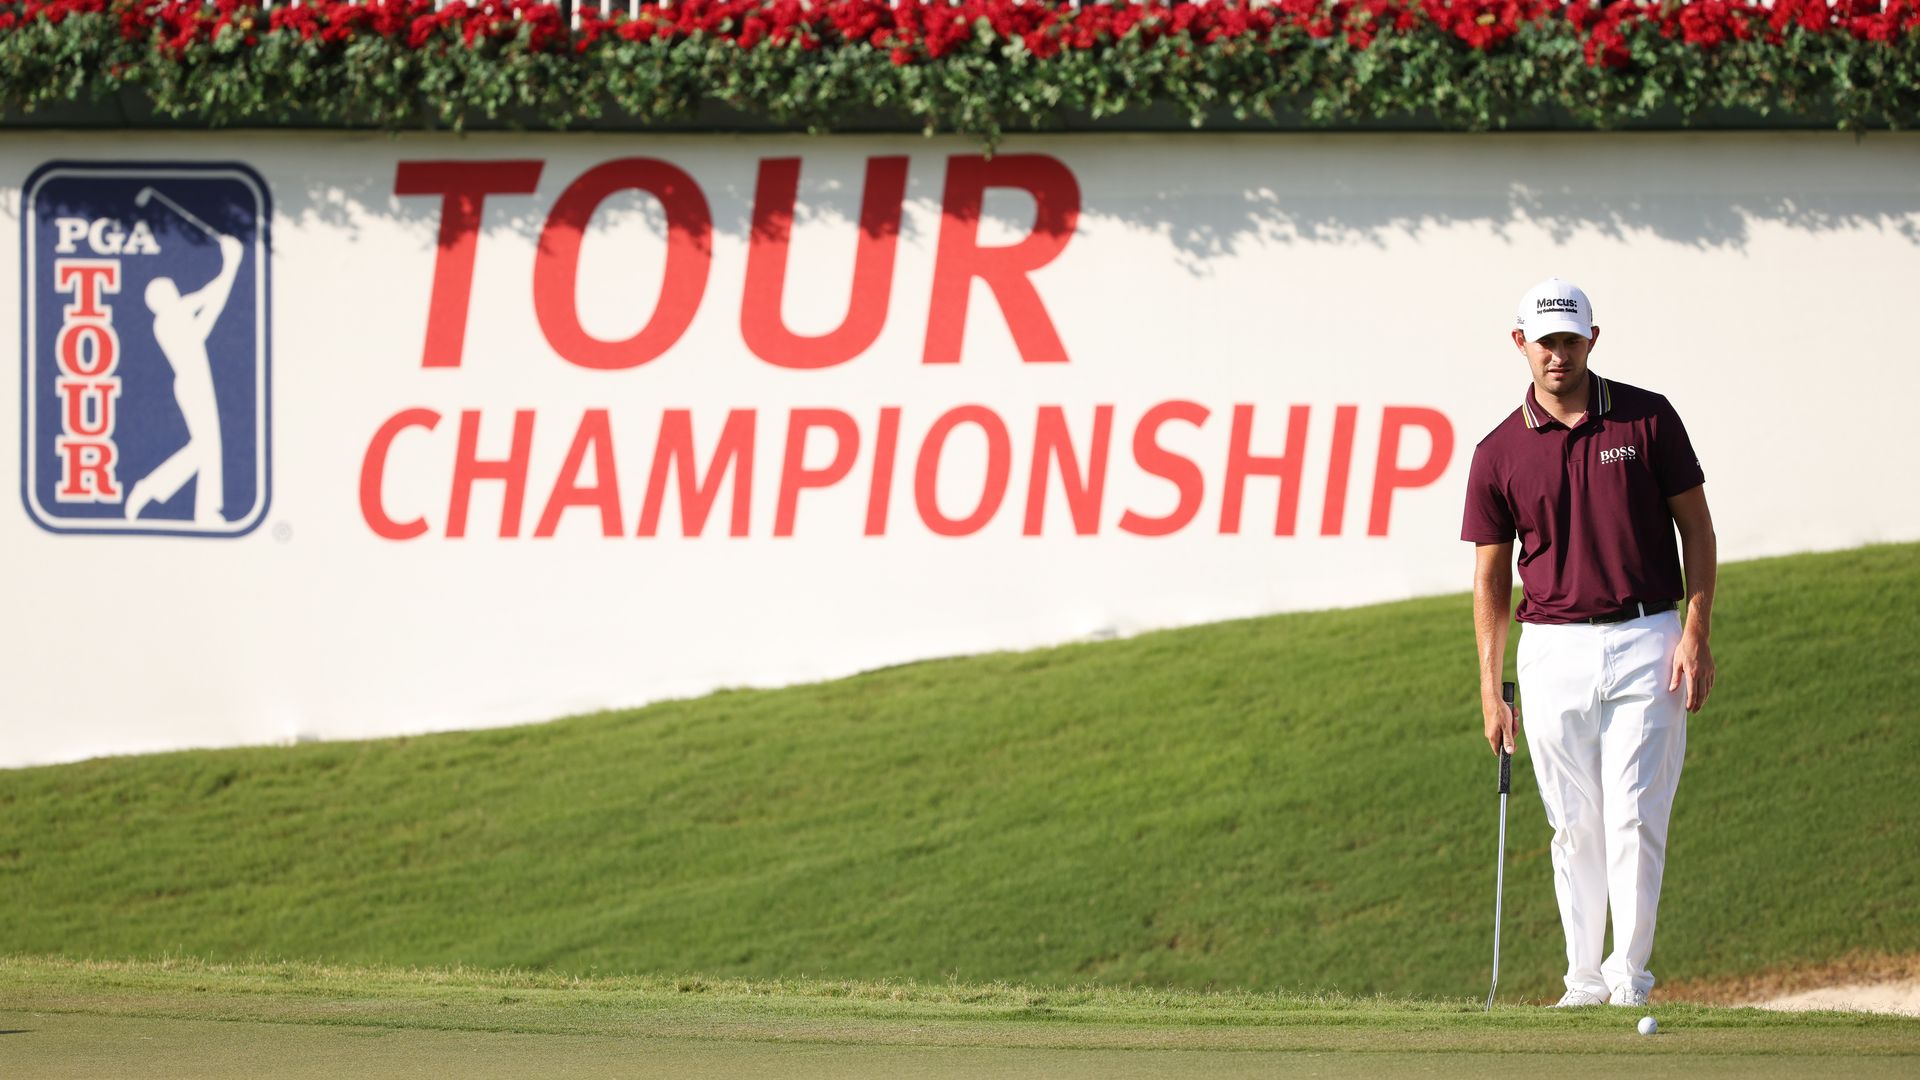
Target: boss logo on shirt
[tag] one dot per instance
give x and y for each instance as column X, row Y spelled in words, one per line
column 1619, row 453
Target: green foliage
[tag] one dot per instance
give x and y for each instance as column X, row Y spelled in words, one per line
column 269, row 74
column 1298, row 802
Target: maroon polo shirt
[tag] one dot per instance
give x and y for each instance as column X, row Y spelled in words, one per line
column 1589, row 503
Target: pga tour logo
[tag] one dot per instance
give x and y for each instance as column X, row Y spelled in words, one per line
column 145, row 320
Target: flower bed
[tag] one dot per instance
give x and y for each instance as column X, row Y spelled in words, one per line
column 977, row 66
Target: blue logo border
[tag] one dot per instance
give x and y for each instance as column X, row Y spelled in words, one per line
column 264, row 197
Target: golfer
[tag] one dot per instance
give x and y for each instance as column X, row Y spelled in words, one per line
column 1593, row 477
column 181, row 326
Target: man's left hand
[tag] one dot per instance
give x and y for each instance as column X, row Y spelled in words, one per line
column 1693, row 669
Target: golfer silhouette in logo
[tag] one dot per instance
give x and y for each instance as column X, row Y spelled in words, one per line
column 181, row 326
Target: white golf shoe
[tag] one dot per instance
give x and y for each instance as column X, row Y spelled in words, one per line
column 1579, row 999
column 1627, row 995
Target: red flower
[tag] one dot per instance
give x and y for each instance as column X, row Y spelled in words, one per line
column 1483, row 24
column 300, row 20
column 545, row 27
column 919, row 31
column 1704, row 24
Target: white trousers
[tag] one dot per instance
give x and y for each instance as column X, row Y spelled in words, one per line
column 1607, row 739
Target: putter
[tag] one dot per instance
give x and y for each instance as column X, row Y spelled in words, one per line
column 1500, row 860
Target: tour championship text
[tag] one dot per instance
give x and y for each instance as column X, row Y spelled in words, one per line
column 619, row 474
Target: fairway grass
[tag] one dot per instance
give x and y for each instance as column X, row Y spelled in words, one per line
column 73, row 1018
column 1295, row 803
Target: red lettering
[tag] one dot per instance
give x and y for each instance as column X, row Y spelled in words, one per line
column 469, row 467
column 1051, row 441
column 463, row 187
column 959, row 257
column 82, row 361
column 794, row 475
column 1333, row 511
column 1387, row 473
column 675, row 447
column 762, row 323
column 373, row 469
column 1241, row 463
column 594, row 435
column 927, row 471
column 86, row 471
column 87, row 279
column 1167, row 465
column 77, row 394
column 556, row 266
column 87, row 349
column 880, row 491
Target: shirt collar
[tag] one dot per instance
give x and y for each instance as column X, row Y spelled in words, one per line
column 1599, row 403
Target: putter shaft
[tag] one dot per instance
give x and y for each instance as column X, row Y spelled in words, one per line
column 1499, row 889
column 1500, row 858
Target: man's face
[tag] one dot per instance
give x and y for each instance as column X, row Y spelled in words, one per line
column 1558, row 361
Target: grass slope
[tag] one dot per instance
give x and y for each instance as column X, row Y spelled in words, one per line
column 1299, row 802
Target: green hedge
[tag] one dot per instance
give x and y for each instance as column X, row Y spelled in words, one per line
column 977, row 66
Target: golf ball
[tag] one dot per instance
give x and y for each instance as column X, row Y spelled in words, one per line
column 1648, row 1025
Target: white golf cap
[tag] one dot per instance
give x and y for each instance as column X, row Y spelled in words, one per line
column 1552, row 307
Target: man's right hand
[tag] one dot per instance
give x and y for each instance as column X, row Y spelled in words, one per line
column 1502, row 725
column 1492, row 608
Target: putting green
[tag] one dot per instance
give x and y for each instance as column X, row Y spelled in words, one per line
column 76, row 1019
column 59, row 1046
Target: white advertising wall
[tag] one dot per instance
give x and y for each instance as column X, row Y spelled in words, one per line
column 336, row 435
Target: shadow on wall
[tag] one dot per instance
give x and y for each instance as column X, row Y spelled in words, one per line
column 1699, row 190
column 1704, row 191
column 354, row 203
column 1691, row 220
column 234, row 217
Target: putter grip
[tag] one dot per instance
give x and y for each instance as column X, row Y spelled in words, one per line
column 1506, row 759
